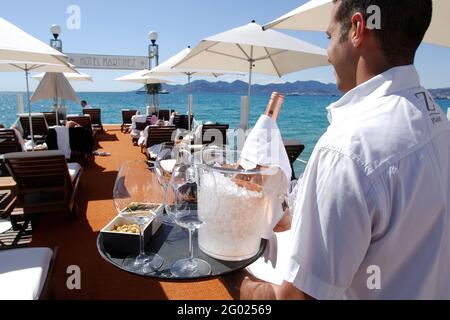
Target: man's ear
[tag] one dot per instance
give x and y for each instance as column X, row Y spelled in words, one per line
column 358, row 29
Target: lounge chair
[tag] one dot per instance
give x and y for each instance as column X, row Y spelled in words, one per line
column 294, row 149
column 215, row 134
column 164, row 114
column 50, row 117
column 126, row 119
column 139, row 127
column 25, row 273
column 96, row 118
column 9, row 143
column 85, row 122
column 182, row 121
column 46, row 183
column 40, row 127
column 158, row 135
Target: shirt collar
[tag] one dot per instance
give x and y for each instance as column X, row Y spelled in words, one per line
column 393, row 80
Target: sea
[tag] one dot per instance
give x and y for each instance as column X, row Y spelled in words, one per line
column 303, row 118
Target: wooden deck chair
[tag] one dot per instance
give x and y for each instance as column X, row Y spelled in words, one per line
column 50, row 117
column 164, row 115
column 141, row 126
column 96, row 118
column 127, row 114
column 84, row 121
column 215, row 134
column 45, row 183
column 158, row 135
column 40, row 127
column 182, row 121
column 294, row 149
column 9, row 143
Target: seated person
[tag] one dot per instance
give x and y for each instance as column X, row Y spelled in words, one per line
column 85, row 105
column 154, row 120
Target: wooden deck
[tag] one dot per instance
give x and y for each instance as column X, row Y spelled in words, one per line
column 76, row 239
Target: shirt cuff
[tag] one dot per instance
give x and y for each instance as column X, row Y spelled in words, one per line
column 311, row 285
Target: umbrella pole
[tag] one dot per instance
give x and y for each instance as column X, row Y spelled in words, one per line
column 189, row 102
column 27, row 73
column 250, row 86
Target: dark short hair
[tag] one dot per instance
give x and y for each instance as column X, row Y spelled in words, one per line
column 403, row 25
column 84, row 102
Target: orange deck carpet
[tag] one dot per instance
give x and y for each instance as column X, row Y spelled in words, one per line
column 76, row 239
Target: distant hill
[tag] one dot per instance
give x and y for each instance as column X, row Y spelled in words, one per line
column 443, row 93
column 288, row 88
column 241, row 88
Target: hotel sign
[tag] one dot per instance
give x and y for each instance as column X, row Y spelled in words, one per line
column 95, row 61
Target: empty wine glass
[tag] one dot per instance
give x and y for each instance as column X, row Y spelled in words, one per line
column 183, row 206
column 169, row 156
column 135, row 199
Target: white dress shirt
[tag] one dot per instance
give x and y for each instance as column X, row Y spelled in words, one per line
column 372, row 211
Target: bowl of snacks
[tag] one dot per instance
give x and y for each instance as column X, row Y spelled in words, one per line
column 121, row 235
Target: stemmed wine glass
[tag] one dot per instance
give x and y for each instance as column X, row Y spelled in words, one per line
column 184, row 207
column 169, row 156
column 135, row 199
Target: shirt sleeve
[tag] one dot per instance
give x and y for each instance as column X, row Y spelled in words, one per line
column 331, row 227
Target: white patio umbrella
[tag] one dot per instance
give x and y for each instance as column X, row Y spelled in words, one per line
column 21, row 52
column 315, row 15
column 142, row 78
column 71, row 76
column 249, row 48
column 55, row 86
column 167, row 69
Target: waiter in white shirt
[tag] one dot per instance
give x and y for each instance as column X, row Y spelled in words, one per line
column 372, row 211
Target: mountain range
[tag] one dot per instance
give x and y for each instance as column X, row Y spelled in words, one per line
column 289, row 88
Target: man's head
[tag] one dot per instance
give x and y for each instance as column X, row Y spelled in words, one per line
column 402, row 28
column 84, row 103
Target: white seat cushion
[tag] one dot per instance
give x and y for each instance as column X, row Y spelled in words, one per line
column 74, row 170
column 23, row 273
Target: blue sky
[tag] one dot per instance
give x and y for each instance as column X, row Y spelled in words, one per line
column 122, row 27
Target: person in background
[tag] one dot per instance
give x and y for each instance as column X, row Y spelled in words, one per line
column 85, row 105
column 372, row 213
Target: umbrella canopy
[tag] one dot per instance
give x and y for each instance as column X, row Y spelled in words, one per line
column 142, row 77
column 168, row 68
column 315, row 16
column 249, row 48
column 71, row 76
column 20, row 51
column 54, row 86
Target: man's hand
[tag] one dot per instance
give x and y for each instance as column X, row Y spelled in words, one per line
column 285, row 223
column 243, row 286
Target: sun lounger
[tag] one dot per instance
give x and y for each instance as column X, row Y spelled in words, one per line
column 26, row 273
column 126, row 119
column 50, row 117
column 182, row 121
column 96, row 118
column 40, row 127
column 46, row 183
column 159, row 135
